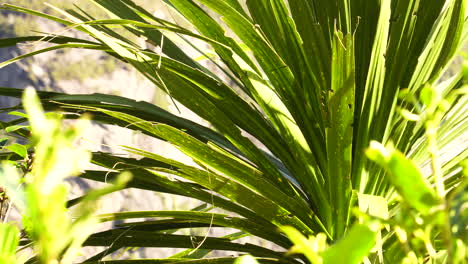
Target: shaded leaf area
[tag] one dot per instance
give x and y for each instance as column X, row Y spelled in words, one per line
column 141, row 239
column 180, row 261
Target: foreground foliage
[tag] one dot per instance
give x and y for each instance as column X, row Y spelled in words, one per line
column 38, row 190
column 315, row 82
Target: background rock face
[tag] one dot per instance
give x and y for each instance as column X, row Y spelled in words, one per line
column 84, row 72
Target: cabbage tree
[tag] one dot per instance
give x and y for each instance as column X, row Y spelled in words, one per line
column 313, row 81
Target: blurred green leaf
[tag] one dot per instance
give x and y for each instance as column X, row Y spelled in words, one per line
column 458, row 212
column 405, row 175
column 9, row 240
column 14, row 128
column 20, row 114
column 246, row 259
column 19, row 149
column 354, row 246
column 311, row 247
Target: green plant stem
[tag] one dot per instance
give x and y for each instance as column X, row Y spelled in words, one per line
column 431, row 132
column 435, row 163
